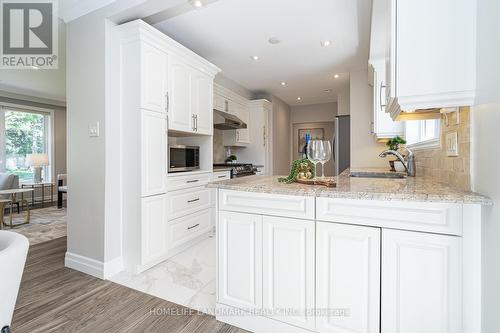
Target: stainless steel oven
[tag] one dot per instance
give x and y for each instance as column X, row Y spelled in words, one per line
column 183, row 158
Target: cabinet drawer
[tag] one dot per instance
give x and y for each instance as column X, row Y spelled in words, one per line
column 443, row 218
column 221, row 175
column 184, row 202
column 180, row 182
column 267, row 204
column 184, row 229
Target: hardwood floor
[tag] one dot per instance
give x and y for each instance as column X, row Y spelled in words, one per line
column 54, row 298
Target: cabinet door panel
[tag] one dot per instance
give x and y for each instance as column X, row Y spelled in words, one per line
column 288, row 269
column 240, row 260
column 202, row 93
column 180, row 117
column 154, row 229
column 421, row 283
column 347, row 278
column 154, row 85
column 153, row 153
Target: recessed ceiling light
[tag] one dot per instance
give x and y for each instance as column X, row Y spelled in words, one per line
column 336, row 76
column 299, row 98
column 283, row 83
column 325, row 43
column 196, row 3
column 274, row 40
column 34, row 67
column 255, row 58
column 328, row 90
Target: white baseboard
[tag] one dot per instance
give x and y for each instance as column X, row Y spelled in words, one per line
column 99, row 269
column 253, row 323
column 84, row 264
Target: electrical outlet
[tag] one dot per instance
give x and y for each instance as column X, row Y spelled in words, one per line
column 94, row 129
column 452, row 143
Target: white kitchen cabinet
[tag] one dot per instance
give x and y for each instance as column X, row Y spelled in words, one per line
column 431, row 59
column 288, row 269
column 153, row 153
column 421, row 282
column 190, row 98
column 180, row 117
column 202, row 101
column 383, row 126
column 153, row 231
column 221, row 103
column 348, row 277
column 240, row 260
column 153, row 81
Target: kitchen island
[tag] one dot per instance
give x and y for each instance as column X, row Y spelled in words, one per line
column 371, row 255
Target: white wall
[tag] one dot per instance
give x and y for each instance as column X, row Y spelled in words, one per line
column 323, row 112
column 364, row 147
column 485, row 158
column 233, row 86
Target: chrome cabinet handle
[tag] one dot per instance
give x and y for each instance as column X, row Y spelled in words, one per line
column 192, row 123
column 192, row 181
column 237, row 135
column 193, row 200
column 193, row 226
column 226, row 105
column 167, row 102
column 382, row 86
column 196, row 122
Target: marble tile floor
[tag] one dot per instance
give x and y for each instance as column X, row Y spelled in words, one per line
column 45, row 224
column 187, row 278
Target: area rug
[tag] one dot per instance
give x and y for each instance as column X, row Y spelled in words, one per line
column 45, row 224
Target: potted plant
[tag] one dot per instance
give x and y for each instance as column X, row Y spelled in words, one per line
column 394, row 144
column 231, row 158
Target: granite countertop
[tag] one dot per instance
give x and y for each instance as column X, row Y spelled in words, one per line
column 407, row 189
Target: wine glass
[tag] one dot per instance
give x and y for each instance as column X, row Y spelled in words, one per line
column 325, row 153
column 313, row 149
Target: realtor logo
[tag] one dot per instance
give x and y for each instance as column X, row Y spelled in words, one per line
column 29, row 34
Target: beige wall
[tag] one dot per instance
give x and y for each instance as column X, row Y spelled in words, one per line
column 313, row 113
column 364, row 147
column 454, row 170
column 281, row 137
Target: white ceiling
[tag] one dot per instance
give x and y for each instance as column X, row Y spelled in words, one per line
column 229, row 32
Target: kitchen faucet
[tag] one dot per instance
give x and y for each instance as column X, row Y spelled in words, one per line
column 409, row 164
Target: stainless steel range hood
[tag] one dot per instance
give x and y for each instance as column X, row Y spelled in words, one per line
column 227, row 121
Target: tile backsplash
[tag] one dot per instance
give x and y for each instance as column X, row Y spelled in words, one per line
column 219, row 149
column 453, row 170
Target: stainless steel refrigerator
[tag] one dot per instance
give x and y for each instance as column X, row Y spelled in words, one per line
column 341, row 147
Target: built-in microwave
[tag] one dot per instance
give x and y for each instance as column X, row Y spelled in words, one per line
column 183, row 158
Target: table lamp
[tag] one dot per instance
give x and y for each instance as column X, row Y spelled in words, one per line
column 37, row 161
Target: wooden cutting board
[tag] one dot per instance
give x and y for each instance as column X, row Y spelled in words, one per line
column 328, row 182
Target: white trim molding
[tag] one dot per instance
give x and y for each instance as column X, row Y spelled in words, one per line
column 424, row 145
column 96, row 268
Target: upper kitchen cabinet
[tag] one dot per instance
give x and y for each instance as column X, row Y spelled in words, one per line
column 383, row 126
column 430, row 54
column 190, row 98
column 201, row 93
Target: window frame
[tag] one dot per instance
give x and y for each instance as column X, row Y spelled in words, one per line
column 48, row 129
column 434, row 143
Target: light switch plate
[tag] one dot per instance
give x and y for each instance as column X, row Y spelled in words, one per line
column 94, row 129
column 452, row 143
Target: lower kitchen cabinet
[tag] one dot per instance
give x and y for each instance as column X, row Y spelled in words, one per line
column 288, row 269
column 240, row 260
column 347, row 278
column 421, row 282
column 153, row 230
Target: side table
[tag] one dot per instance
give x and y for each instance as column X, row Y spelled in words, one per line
column 42, row 186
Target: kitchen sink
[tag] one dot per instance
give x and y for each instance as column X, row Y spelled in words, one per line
column 365, row 174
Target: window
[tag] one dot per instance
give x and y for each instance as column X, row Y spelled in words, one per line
column 423, row 132
column 25, row 131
